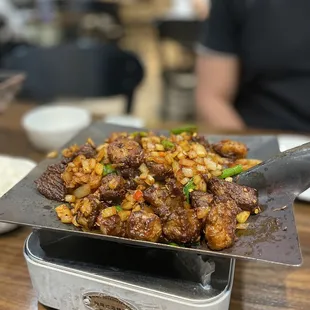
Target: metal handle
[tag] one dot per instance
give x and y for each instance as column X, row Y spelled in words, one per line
column 286, row 174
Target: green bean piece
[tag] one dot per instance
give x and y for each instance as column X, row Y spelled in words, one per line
column 187, row 128
column 189, row 187
column 229, row 172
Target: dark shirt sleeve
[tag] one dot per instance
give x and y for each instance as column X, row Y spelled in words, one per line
column 218, row 31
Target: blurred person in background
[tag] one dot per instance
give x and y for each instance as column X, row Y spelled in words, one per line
column 253, row 65
column 201, row 7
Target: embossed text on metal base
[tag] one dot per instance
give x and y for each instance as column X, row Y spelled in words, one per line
column 100, row 301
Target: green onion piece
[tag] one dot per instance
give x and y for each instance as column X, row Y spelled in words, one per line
column 139, row 133
column 172, row 243
column 118, row 208
column 189, row 187
column 107, row 169
column 167, row 144
column 196, row 244
column 188, row 128
column 175, row 244
column 229, row 172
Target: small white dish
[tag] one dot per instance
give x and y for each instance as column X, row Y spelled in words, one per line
column 13, row 170
column 50, row 127
column 290, row 141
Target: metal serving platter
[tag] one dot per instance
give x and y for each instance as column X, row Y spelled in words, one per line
column 271, row 236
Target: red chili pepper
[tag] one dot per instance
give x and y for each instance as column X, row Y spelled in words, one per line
column 137, row 195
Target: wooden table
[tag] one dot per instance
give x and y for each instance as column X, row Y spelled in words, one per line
column 260, row 286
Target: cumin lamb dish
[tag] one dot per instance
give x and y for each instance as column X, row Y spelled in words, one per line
column 175, row 189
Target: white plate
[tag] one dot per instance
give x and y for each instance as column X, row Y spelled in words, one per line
column 290, row 141
column 13, row 169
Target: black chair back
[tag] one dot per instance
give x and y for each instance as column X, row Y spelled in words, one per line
column 82, row 69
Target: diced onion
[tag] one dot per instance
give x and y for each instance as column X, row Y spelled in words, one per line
column 82, row 191
column 143, row 168
column 188, row 172
column 70, row 198
column 113, row 184
column 187, row 162
column 159, row 147
column 201, row 150
column 99, row 169
column 242, row 226
column 192, row 154
column 201, row 168
column 175, row 166
column 136, row 208
column 127, row 205
column 149, row 180
column 108, row 212
column 184, row 181
column 243, row 216
column 124, row 215
column 196, row 179
column 86, row 167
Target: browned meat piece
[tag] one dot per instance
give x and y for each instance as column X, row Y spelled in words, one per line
column 162, row 202
column 50, row 183
column 200, row 199
column 245, row 197
column 221, row 223
column 174, row 187
column 142, row 225
column 201, row 202
column 112, row 226
column 159, row 171
column 201, row 140
column 113, row 188
column 182, row 226
column 87, row 219
column 129, row 173
column 125, row 153
column 87, row 150
column 231, row 149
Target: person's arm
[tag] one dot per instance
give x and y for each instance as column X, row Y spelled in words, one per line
column 218, row 68
column 218, row 77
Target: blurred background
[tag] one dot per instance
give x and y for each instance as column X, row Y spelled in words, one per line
column 112, row 57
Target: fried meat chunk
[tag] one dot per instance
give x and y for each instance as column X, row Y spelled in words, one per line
column 245, row 197
column 142, row 225
column 201, row 202
column 87, row 150
column 182, row 226
column 113, row 188
column 200, row 199
column 162, row 202
column 221, row 223
column 88, row 212
column 50, row 184
column 125, row 153
column 112, row 225
column 159, row 171
column 230, row 149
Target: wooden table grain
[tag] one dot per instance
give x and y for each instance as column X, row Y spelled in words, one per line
column 257, row 286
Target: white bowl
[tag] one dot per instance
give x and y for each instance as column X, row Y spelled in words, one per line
column 13, row 170
column 50, row 127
